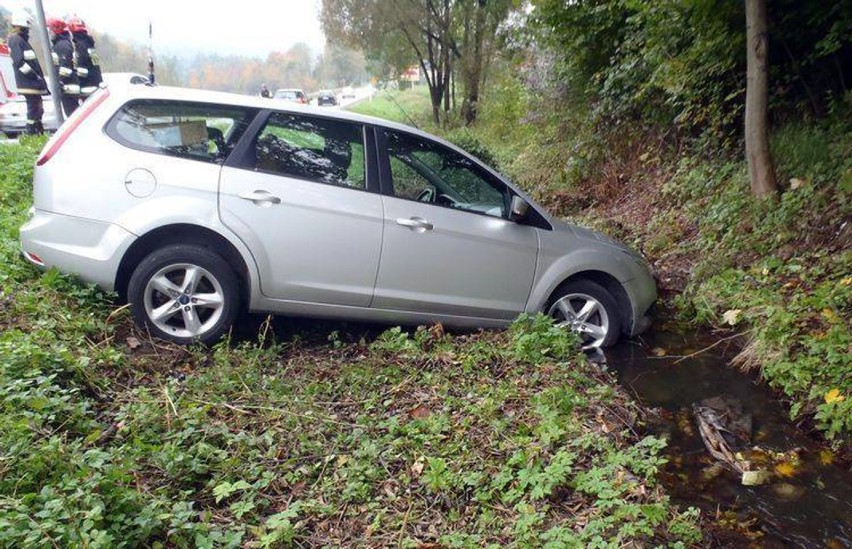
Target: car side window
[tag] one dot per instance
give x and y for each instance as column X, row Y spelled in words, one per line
column 426, row 171
column 191, row 130
column 316, row 149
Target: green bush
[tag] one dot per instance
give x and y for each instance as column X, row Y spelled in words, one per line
column 465, row 139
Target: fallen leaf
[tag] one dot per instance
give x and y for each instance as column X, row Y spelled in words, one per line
column 732, row 316
column 846, row 281
column 785, row 469
column 133, row 342
column 755, row 478
column 833, row 396
column 419, row 412
column 829, row 314
column 437, row 331
column 765, row 272
column 826, row 457
column 795, row 183
column 788, row 491
column 658, row 351
column 417, row 467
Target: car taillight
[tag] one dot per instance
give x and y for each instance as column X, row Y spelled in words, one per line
column 65, row 131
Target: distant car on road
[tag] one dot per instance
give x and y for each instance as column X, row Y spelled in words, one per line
column 326, row 98
column 347, row 93
column 124, row 78
column 13, row 116
column 294, row 95
column 201, row 204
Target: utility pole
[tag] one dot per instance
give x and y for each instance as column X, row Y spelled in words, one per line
column 50, row 70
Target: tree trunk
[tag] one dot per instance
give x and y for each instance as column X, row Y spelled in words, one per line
column 474, row 63
column 760, row 168
column 436, row 94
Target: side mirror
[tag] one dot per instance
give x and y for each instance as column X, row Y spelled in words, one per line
column 518, row 209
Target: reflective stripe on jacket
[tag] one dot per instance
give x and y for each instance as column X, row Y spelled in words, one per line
column 63, row 59
column 88, row 63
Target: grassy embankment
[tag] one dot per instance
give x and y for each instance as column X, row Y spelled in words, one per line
column 108, row 439
column 778, row 273
column 405, row 106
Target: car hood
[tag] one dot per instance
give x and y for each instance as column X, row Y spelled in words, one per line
column 590, row 235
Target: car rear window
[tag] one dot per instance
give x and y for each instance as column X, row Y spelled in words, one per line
column 198, row 131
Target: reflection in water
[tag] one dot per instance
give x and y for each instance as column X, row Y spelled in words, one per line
column 808, row 506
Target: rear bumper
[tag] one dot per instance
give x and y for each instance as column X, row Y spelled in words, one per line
column 13, row 125
column 91, row 250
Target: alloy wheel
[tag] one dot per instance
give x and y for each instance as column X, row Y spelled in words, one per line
column 583, row 314
column 184, row 300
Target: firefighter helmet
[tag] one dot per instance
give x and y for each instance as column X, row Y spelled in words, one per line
column 20, row 19
column 56, row 25
column 75, row 24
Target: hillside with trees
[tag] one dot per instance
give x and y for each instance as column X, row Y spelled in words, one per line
column 636, row 116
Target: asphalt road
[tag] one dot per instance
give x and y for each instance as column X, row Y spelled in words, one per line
column 360, row 94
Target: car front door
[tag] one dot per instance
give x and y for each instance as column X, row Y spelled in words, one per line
column 296, row 192
column 449, row 246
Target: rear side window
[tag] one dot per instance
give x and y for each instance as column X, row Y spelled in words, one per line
column 198, row 131
column 316, row 149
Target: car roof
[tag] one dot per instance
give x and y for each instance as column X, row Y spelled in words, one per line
column 237, row 100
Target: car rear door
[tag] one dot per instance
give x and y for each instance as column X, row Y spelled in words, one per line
column 449, row 247
column 298, row 192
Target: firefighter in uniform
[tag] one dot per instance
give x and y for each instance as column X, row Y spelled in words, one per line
column 28, row 75
column 63, row 59
column 88, row 62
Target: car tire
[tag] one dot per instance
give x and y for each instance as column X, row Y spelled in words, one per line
column 185, row 294
column 12, row 135
column 588, row 309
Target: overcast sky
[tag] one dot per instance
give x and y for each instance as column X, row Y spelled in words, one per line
column 187, row 27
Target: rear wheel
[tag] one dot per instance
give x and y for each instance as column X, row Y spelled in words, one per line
column 588, row 309
column 185, row 294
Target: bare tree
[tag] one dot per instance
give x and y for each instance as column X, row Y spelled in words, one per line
column 449, row 39
column 760, row 168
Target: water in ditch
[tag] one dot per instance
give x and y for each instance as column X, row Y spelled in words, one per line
column 808, row 504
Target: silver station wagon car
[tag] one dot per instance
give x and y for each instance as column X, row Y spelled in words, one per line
column 195, row 205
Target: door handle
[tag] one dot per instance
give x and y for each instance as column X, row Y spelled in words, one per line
column 261, row 198
column 415, row 224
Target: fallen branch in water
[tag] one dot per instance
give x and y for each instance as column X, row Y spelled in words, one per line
column 704, row 350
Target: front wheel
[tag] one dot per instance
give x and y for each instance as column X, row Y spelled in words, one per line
column 589, row 310
column 185, row 294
